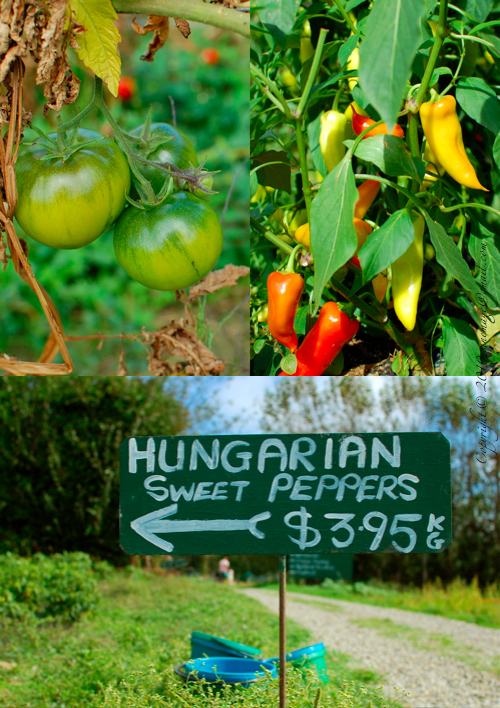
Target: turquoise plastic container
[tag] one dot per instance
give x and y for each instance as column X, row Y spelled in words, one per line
column 230, row 670
column 312, row 657
column 208, row 645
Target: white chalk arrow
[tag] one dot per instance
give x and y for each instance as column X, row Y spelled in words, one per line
column 149, row 525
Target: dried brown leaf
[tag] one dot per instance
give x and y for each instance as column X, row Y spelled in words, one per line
column 51, row 39
column 160, row 26
column 224, row 278
column 153, row 23
column 122, row 367
column 183, row 27
column 178, row 340
column 4, row 259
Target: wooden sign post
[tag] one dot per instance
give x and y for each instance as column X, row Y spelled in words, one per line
column 282, row 494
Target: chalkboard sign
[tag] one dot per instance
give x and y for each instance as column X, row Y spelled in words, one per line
column 337, row 566
column 284, row 494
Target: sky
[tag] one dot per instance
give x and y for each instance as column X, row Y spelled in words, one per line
column 245, row 394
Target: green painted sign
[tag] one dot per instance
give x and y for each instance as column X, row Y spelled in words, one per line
column 283, row 494
column 337, row 566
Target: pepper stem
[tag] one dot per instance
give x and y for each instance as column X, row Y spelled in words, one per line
column 336, row 102
column 289, row 266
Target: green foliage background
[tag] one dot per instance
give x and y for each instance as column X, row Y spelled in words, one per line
column 89, row 288
column 59, row 451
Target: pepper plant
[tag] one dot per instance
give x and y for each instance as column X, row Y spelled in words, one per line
column 376, row 163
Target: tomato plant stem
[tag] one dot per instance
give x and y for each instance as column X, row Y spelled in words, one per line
column 195, row 10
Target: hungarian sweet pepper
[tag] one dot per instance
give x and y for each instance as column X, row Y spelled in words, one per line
column 333, row 133
column 407, row 277
column 367, row 192
column 444, row 135
column 360, row 123
column 284, row 289
column 332, row 330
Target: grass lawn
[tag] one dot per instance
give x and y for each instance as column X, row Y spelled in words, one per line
column 123, row 654
column 457, row 601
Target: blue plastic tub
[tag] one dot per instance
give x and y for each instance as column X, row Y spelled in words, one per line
column 311, row 657
column 208, row 645
column 229, row 670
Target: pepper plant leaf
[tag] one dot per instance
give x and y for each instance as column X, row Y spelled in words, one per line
column 391, row 155
column 477, row 9
column 480, row 102
column 274, row 169
column 387, row 52
column 386, row 244
column 333, row 238
column 448, row 256
column 99, row 44
column 279, row 17
column 461, row 348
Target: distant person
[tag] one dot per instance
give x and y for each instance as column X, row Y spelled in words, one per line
column 224, row 566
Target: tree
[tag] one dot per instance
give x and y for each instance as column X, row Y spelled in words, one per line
column 451, row 406
column 59, row 451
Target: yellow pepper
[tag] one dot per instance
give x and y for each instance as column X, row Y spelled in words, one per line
column 444, row 135
column 306, row 47
column 332, row 136
column 429, row 157
column 352, row 64
column 303, row 235
column 407, row 277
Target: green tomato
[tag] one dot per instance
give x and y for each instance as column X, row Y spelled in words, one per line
column 169, row 246
column 179, row 152
column 69, row 204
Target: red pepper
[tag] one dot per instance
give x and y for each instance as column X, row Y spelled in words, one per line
column 367, row 191
column 360, row 123
column 325, row 340
column 284, row 290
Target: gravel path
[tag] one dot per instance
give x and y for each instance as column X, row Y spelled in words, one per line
column 441, row 663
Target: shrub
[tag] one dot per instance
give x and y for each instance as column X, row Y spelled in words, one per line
column 62, row 586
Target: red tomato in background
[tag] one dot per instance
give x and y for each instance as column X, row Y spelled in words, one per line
column 210, row 56
column 126, row 88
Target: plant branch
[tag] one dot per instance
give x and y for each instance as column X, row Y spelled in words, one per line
column 312, row 73
column 436, row 48
column 194, row 10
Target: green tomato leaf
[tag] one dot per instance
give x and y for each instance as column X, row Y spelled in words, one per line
column 387, row 52
column 448, row 256
column 333, row 238
column 461, row 348
column 477, row 9
column 274, row 170
column 391, row 155
column 386, row 244
column 480, row 102
column 99, row 44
